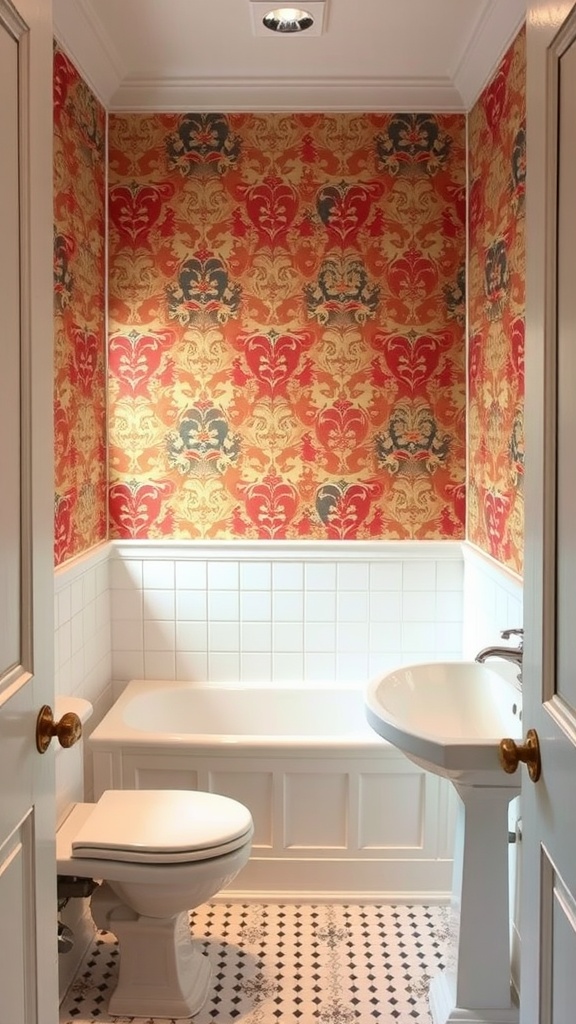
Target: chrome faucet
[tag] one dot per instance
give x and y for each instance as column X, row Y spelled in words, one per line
column 513, row 654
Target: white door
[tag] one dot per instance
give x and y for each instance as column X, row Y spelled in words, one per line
column 28, row 960
column 548, row 912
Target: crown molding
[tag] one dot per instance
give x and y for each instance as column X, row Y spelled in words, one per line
column 92, row 52
column 496, row 29
column 319, row 95
column 80, row 33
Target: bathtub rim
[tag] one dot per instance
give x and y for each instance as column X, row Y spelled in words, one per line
column 112, row 732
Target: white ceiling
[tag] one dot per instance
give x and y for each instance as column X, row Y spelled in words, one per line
column 204, row 55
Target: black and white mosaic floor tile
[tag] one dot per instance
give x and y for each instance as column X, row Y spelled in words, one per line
column 294, row 965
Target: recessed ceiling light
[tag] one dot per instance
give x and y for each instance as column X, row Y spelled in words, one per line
column 288, row 19
column 308, row 20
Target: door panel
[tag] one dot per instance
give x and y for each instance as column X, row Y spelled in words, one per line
column 10, row 511
column 28, row 923
column 548, row 967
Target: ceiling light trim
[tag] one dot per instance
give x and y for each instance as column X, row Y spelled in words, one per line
column 316, row 9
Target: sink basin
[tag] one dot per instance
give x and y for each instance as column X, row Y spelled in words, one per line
column 449, row 718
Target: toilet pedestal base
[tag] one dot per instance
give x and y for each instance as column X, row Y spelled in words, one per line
column 162, row 971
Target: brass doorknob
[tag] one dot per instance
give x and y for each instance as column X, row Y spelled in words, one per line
column 68, row 729
column 512, row 753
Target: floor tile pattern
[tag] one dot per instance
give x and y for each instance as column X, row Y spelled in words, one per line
column 295, row 965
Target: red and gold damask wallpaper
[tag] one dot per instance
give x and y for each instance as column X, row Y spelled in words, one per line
column 286, row 297
column 79, row 349
column 497, row 140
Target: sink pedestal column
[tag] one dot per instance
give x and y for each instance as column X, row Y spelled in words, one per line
column 479, row 990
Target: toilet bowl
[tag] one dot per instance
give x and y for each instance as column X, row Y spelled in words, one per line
column 158, row 854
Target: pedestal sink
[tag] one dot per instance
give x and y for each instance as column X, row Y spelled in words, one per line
column 449, row 717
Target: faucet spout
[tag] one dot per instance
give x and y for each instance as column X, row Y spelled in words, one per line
column 513, row 654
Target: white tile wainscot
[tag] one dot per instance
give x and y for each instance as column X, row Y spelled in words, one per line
column 279, row 611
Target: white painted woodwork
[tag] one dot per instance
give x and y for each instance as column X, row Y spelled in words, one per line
column 28, row 965
column 413, row 55
column 548, row 923
column 371, row 826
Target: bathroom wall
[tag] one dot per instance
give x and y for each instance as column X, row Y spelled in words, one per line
column 287, row 326
column 80, row 498
column 83, row 639
column 282, row 611
column 496, row 282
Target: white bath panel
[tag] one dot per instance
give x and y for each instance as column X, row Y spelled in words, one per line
column 392, row 811
column 255, row 790
column 315, row 810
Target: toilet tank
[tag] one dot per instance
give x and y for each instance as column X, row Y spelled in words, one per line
column 69, row 763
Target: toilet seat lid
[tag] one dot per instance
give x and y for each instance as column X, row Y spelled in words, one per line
column 162, row 826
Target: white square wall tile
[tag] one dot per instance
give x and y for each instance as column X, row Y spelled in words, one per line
column 64, row 606
column 127, row 664
column 158, row 574
column 320, row 636
column 223, row 575
column 419, row 575
column 191, row 636
column 159, row 665
column 77, row 596
column 352, row 667
column 352, row 606
column 418, row 637
column 158, row 604
column 127, row 635
column 287, row 575
column 320, row 576
column 255, row 605
column 89, row 588
column 449, row 606
column 353, row 575
column 255, row 667
column 255, row 576
column 449, row 637
column 419, row 606
column 77, row 631
column 125, row 573
column 256, row 636
column 288, row 606
column 383, row 661
column 320, row 605
column 159, row 635
column 223, row 667
column 102, row 577
column 352, row 636
column 223, row 605
column 385, row 637
column 386, row 576
column 288, row 637
column 192, row 665
column 191, row 575
column 386, row 606
column 191, row 604
column 450, row 575
column 223, row 636
column 319, row 668
column 287, row 666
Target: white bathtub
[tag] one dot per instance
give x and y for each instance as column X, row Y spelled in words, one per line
column 339, row 814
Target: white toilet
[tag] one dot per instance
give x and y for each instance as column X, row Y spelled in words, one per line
column 159, row 854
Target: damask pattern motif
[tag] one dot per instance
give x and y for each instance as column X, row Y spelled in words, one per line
column 497, row 132
column 286, row 299
column 80, row 386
